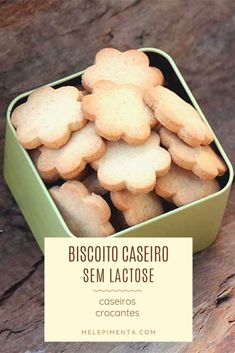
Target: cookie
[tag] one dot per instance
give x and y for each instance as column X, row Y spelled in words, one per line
column 71, row 159
column 137, row 208
column 132, row 167
column 178, row 116
column 48, row 117
column 181, row 186
column 129, row 67
column 87, row 215
column 119, row 112
column 34, row 155
column 93, row 185
column 202, row 160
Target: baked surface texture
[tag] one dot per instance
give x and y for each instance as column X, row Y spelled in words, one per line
column 119, row 112
column 87, row 215
column 131, row 67
column 201, row 160
column 181, row 186
column 137, row 208
column 71, row 159
column 48, row 117
column 178, row 116
column 132, row 167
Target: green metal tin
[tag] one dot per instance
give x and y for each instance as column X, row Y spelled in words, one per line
column 200, row 219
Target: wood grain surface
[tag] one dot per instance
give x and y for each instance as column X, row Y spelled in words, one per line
column 41, row 41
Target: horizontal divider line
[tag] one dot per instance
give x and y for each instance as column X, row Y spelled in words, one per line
column 117, row 290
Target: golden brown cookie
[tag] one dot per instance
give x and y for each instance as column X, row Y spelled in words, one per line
column 119, row 112
column 132, row 167
column 48, row 117
column 201, row 160
column 137, row 208
column 71, row 159
column 178, row 116
column 182, row 187
column 129, row 67
column 87, row 215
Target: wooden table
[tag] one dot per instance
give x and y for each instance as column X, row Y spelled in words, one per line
column 41, row 41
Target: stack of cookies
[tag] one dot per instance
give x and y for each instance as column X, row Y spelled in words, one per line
column 123, row 144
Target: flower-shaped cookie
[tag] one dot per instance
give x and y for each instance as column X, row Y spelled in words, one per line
column 48, row 117
column 70, row 160
column 202, row 160
column 119, row 112
column 137, row 208
column 87, row 215
column 181, row 186
column 178, row 116
column 131, row 67
column 132, row 167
